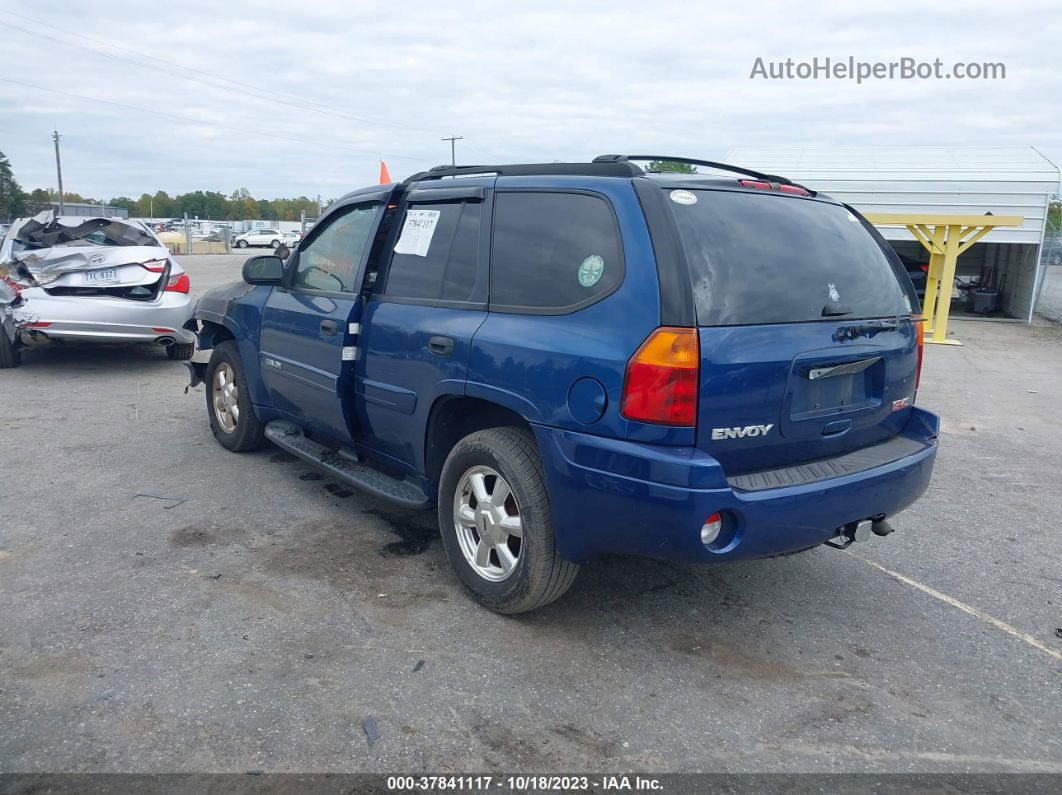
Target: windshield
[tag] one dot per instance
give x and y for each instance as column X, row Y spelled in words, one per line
column 769, row 258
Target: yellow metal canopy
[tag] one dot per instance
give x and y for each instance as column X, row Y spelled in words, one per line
column 945, row 236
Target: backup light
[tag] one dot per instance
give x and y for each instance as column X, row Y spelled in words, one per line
column 710, row 530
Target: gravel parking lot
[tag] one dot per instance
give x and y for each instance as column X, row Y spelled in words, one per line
column 170, row 606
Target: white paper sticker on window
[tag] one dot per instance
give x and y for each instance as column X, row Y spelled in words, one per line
column 417, row 232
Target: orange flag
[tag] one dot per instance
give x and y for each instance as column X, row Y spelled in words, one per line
column 385, row 176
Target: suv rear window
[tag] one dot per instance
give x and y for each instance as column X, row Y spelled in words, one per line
column 768, row 258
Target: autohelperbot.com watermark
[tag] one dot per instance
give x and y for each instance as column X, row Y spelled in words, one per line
column 850, row 68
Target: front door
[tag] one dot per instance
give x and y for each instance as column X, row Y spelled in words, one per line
column 307, row 344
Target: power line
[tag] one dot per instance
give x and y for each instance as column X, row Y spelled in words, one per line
column 244, row 88
column 201, row 123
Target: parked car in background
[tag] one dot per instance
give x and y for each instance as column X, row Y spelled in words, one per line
column 676, row 366
column 918, row 271
column 258, row 237
column 291, row 239
column 93, row 280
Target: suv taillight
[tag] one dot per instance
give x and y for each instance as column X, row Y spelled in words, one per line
column 178, row 284
column 661, row 382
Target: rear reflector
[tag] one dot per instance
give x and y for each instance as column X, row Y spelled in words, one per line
column 661, row 382
column 163, row 330
column 179, row 284
column 37, row 325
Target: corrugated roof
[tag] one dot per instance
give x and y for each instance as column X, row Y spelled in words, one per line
column 973, row 180
column 901, row 163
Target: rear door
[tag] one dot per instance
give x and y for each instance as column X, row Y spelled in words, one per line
column 307, row 343
column 429, row 299
column 808, row 349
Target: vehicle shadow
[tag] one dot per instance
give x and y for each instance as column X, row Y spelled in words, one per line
column 89, row 357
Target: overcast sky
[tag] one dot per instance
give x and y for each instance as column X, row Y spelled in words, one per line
column 289, row 98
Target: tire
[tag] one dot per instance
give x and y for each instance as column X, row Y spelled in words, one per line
column 10, row 355
column 238, row 431
column 275, row 244
column 536, row 574
column 241, row 244
column 180, row 351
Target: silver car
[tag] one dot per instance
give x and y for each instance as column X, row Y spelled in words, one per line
column 90, row 279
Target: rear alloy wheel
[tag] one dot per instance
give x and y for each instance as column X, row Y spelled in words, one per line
column 10, row 355
column 275, row 244
column 487, row 522
column 232, row 418
column 180, row 351
column 494, row 515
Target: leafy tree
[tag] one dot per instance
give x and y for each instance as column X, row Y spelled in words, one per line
column 12, row 198
column 37, row 200
column 164, row 206
column 671, row 165
column 121, row 201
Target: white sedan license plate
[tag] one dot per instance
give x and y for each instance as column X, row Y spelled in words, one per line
column 102, row 275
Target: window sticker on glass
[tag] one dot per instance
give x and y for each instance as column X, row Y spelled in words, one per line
column 683, row 197
column 417, row 232
column 591, row 270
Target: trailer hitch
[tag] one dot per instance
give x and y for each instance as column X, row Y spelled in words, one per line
column 859, row 531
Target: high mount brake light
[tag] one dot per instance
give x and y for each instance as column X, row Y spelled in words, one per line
column 662, row 377
column 178, row 284
column 796, row 190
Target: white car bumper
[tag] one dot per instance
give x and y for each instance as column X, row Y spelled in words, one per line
column 105, row 319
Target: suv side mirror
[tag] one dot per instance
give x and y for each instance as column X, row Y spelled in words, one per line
column 263, row 269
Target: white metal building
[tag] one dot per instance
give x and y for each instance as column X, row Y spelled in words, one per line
column 970, row 180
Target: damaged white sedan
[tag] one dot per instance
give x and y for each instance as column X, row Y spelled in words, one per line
column 90, row 279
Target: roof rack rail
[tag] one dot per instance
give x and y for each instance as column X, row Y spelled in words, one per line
column 748, row 172
column 619, row 168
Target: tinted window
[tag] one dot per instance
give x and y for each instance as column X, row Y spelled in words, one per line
column 330, row 261
column 763, row 258
column 436, row 253
column 552, row 251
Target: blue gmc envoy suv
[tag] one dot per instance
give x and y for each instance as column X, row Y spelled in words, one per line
column 571, row 359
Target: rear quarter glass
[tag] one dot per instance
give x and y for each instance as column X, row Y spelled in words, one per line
column 760, row 257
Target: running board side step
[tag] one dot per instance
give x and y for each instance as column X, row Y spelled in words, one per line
column 404, row 493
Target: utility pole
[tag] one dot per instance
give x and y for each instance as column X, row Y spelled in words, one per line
column 58, row 168
column 452, row 139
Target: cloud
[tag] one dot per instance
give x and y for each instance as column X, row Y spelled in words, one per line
column 341, row 84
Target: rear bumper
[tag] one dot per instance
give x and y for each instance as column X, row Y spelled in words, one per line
column 102, row 319
column 610, row 495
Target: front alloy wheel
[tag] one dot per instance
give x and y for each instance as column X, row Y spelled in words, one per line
column 226, row 397
column 487, row 523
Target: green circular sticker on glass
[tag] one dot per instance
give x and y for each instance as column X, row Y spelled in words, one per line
column 591, row 270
